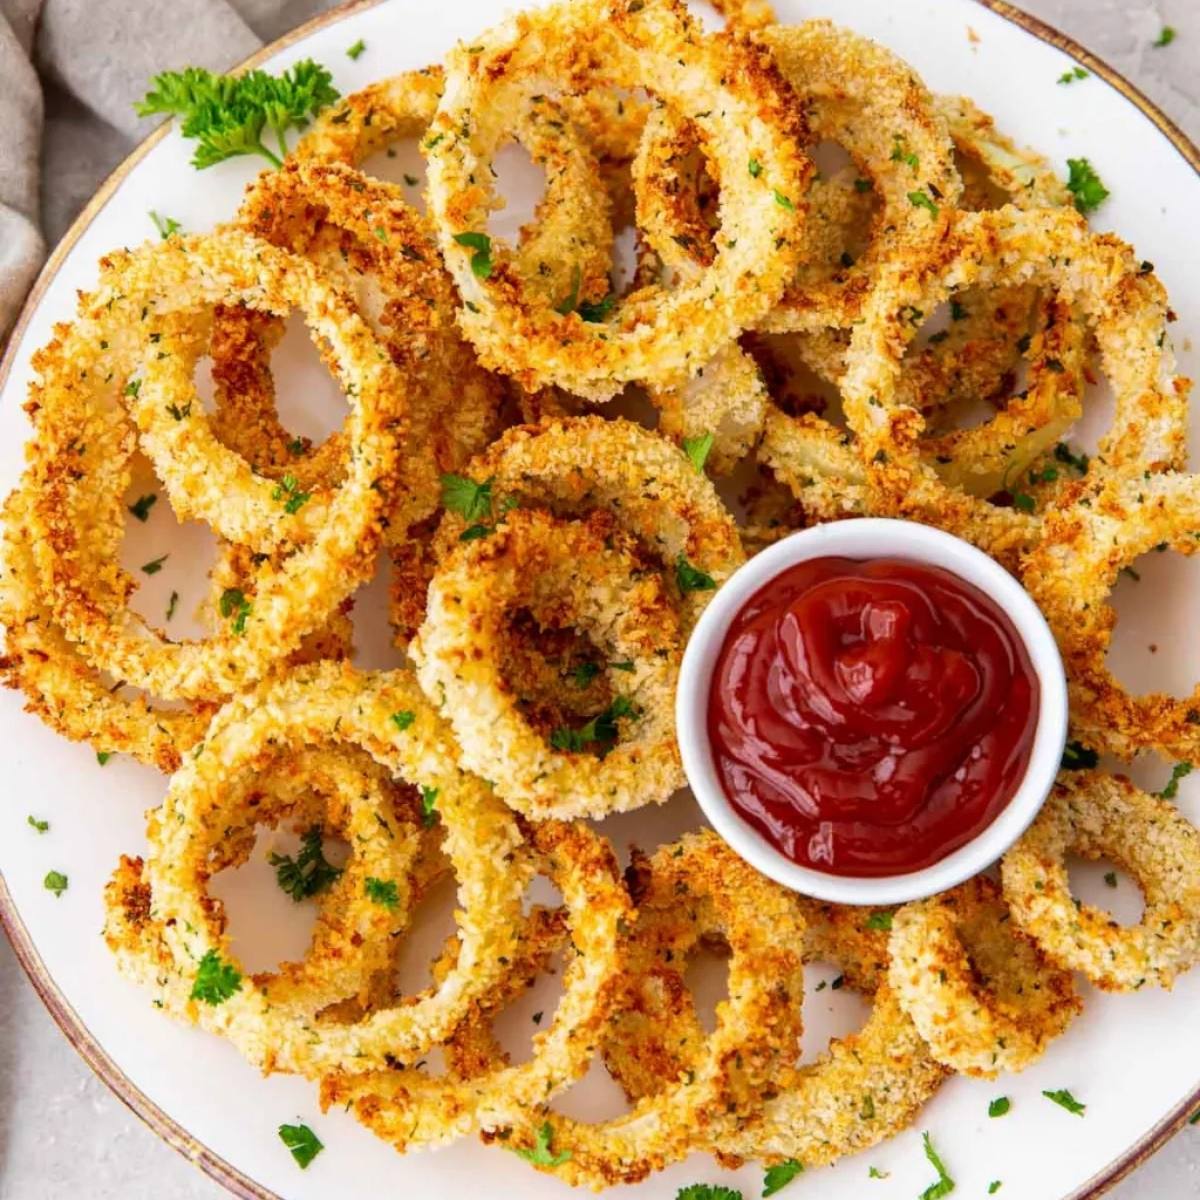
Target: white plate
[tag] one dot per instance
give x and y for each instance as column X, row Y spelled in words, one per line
column 1134, row 1060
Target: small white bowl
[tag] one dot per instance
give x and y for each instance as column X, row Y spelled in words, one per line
column 867, row 538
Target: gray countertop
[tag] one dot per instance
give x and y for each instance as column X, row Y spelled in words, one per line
column 62, row 1134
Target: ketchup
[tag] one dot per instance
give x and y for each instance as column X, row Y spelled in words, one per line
column 870, row 717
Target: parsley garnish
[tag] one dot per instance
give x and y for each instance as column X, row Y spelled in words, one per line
column 403, row 719
column 215, row 980
column 879, row 920
column 1062, row 452
column 155, row 565
column 429, row 797
column 1078, row 757
column 382, row 891
column 227, row 116
column 142, row 505
column 999, row 1106
column 356, row 50
column 481, row 260
column 1064, row 1099
column 900, row 154
column 697, row 449
column 692, row 579
column 40, row 826
column 994, row 1187
column 464, row 496
column 780, row 1175
column 411, row 180
column 863, row 185
column 234, row 604
column 923, row 200
column 1179, row 771
column 288, row 490
column 55, row 882
column 542, row 1155
column 567, row 305
column 102, row 756
column 584, row 673
column 707, row 1191
column 601, row 730
column 1085, row 185
column 1072, row 75
column 1110, row 878
column 174, row 600
column 876, row 1173
column 302, row 1142
column 1024, row 502
column 754, row 167
column 596, row 312
column 1166, row 37
column 784, row 202
column 944, row 1185
column 165, row 225
column 309, row 872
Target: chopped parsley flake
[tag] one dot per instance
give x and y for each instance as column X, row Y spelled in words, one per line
column 876, row 1173
column 583, row 673
column 697, row 449
column 55, row 882
column 1064, row 1099
column 1179, row 771
column 1166, row 37
column 755, row 168
column 999, row 1107
column 1062, row 452
column 233, row 604
column 923, row 200
column 155, row 565
column 302, row 1142
column 356, row 50
column 288, row 490
column 102, row 756
column 994, row 1187
column 944, row 1185
column 174, row 600
column 309, row 873
column 692, row 579
column 1110, row 878
column 1078, row 757
column 470, row 500
column 1072, row 75
column 142, row 505
column 595, row 312
column 1085, row 185
column 166, row 226
column 34, row 823
column 382, row 891
column 879, row 920
column 780, row 1175
column 429, row 797
column 215, row 980
column 481, row 260
column 403, row 719
column 601, row 731
column 542, row 1153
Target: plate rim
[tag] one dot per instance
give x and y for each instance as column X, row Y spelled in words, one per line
column 59, row 1007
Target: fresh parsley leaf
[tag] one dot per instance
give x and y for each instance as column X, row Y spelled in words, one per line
column 1024, row 502
column 784, row 202
column 1110, row 878
column 876, row 1173
column 473, row 533
column 411, row 180
column 994, row 1187
column 754, row 167
column 429, row 797
column 692, row 579
column 542, row 1154
column 583, row 673
column 55, row 882
column 944, row 1185
column 697, row 449
column 166, row 226
column 481, row 260
column 601, row 730
column 879, row 920
column 382, row 891
column 142, row 505
column 288, row 490
column 900, row 154
column 707, row 1191
column 1062, row 452
column 999, row 1107
column 356, row 50
column 215, row 980
column 568, row 303
column 1072, row 75
column 233, row 604
column 302, row 1142
column 40, row 826
column 102, row 756
column 155, row 565
column 1166, row 37
column 780, row 1175
column 924, row 200
column 1078, row 757
column 228, row 115
column 1064, row 1099
column 470, row 500
column 403, row 719
column 863, row 185
column 1179, row 771
column 596, row 312
column 309, row 873
column 1085, row 185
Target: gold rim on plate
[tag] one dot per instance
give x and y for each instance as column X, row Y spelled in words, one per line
column 68, row 1020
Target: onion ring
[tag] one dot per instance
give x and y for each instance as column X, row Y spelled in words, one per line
column 980, row 991
column 563, row 573
column 1103, row 816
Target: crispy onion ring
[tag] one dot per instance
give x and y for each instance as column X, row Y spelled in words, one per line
column 980, row 992
column 386, row 716
column 1101, row 816
column 60, row 685
column 563, row 573
column 1100, row 530
column 656, row 336
column 580, row 464
column 411, row 1108
column 695, row 887
column 1125, row 309
column 85, row 443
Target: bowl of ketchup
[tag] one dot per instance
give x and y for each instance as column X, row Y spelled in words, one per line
column 871, row 711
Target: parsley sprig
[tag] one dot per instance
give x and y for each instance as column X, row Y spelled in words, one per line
column 216, row 980
column 542, row 1153
column 780, row 1175
column 600, row 732
column 1085, row 185
column 229, row 115
column 309, row 873
column 944, row 1184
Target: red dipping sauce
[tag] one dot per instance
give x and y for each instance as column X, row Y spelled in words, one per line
column 870, row 717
